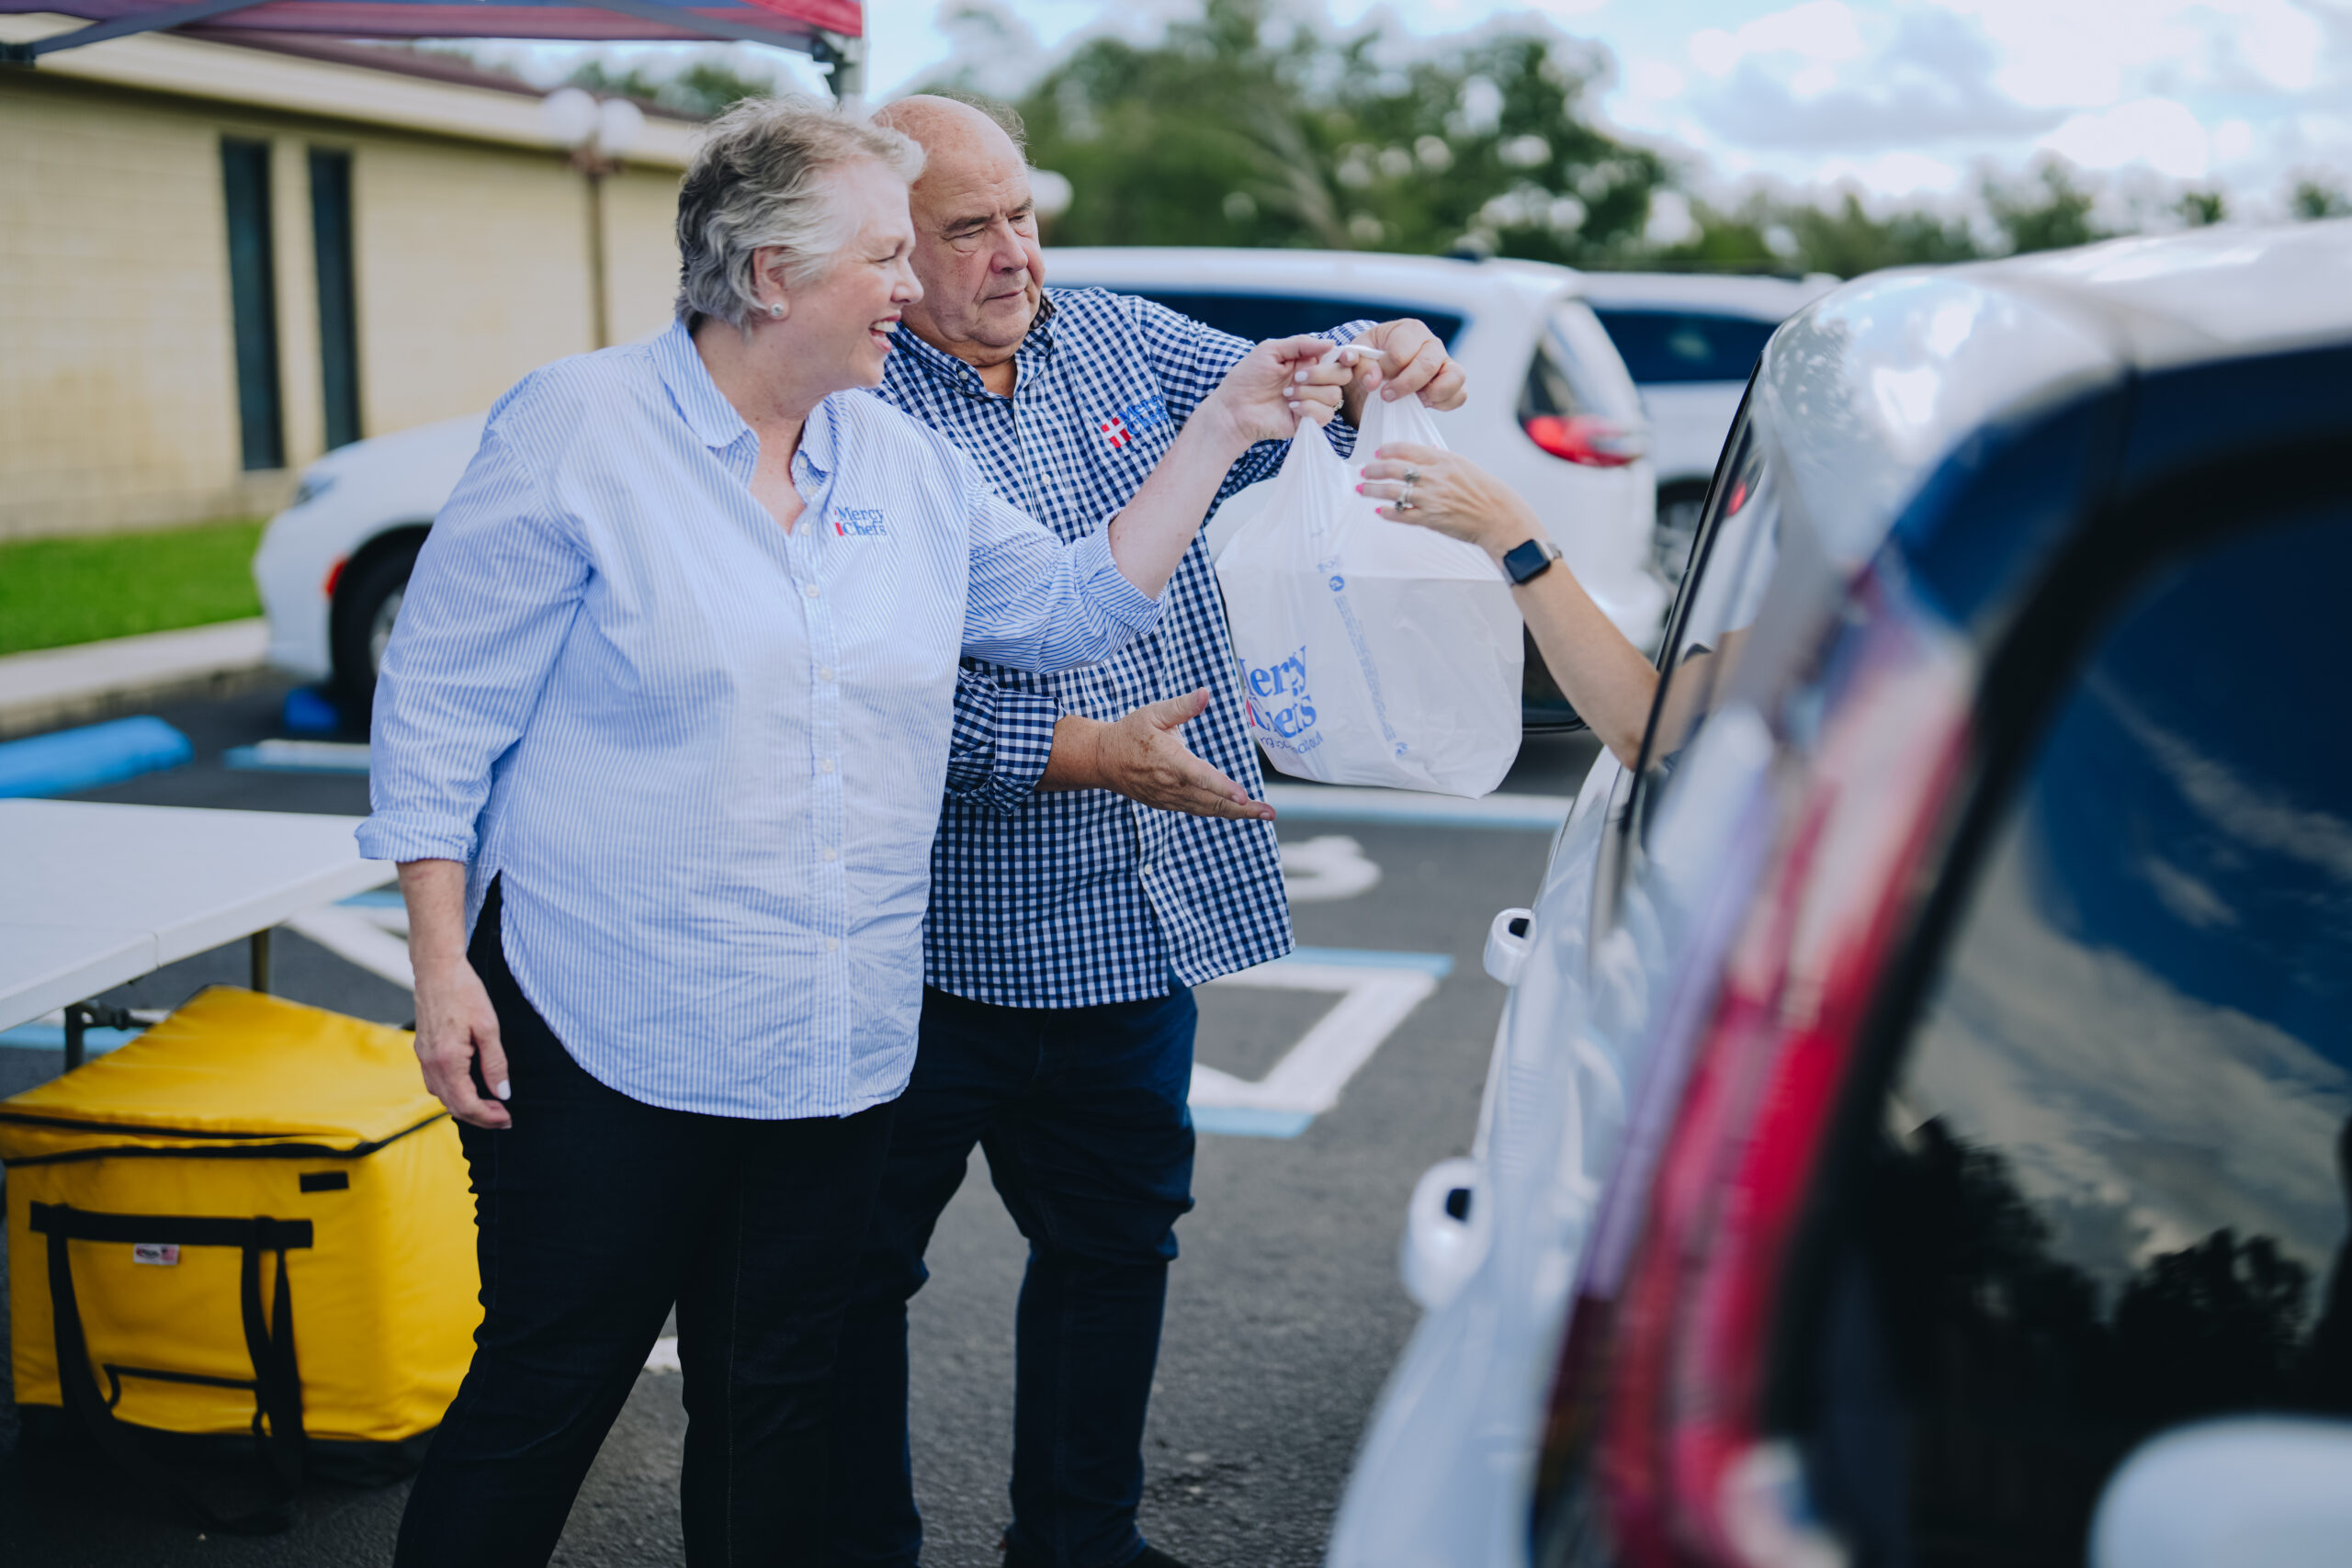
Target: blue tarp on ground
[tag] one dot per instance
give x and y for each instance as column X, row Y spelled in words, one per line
column 83, row 759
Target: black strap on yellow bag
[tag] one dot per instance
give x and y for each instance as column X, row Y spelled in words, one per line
column 276, row 1383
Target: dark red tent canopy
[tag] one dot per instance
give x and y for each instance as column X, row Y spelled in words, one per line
column 826, row 29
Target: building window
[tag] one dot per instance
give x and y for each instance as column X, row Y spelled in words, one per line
column 252, row 293
column 338, row 305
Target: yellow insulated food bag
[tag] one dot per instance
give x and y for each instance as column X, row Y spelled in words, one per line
column 265, row 1223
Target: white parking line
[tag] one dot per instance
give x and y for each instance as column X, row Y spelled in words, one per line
column 1409, row 808
column 1316, row 871
column 1376, row 990
column 298, row 757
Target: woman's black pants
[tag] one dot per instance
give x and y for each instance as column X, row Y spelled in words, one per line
column 596, row 1212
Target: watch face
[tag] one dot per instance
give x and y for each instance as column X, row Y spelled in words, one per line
column 1527, row 561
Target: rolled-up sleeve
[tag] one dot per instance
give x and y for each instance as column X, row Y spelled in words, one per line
column 1190, row 358
column 486, row 613
column 1002, row 739
column 1037, row 603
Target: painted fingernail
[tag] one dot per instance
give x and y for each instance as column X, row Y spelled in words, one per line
column 503, row 1089
column 1298, row 376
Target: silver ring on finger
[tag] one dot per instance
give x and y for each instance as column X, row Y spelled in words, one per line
column 1405, row 493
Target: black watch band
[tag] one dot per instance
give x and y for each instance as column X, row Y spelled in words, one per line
column 1530, row 560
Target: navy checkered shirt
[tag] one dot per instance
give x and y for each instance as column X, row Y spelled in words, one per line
column 1082, row 897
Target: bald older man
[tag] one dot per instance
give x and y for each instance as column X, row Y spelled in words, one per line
column 1090, row 869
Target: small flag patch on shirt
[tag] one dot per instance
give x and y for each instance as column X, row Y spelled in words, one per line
column 1147, row 413
column 166, row 1253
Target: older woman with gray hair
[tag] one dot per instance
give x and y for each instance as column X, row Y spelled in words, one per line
column 658, row 746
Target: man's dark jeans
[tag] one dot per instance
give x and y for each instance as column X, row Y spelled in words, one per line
column 595, row 1211
column 1082, row 1114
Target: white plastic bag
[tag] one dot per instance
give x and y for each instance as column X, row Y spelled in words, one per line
column 1371, row 652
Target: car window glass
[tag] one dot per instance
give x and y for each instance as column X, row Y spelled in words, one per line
column 2108, row 1191
column 1665, row 346
column 1732, row 564
column 1576, row 369
column 1257, row 317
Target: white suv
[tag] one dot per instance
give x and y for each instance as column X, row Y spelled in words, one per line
column 1551, row 410
column 1690, row 342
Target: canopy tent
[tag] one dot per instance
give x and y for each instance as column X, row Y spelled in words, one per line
column 828, row 31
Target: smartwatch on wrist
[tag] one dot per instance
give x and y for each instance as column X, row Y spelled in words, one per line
column 1530, row 560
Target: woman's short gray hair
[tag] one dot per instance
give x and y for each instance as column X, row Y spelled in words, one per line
column 759, row 179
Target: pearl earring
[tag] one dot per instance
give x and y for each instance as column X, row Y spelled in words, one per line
column 775, row 311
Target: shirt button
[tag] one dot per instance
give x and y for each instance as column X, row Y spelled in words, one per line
column 831, row 853
column 824, row 764
column 825, row 672
column 832, row 944
column 810, row 591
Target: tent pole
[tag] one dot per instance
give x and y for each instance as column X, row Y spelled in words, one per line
column 846, row 58
column 121, row 27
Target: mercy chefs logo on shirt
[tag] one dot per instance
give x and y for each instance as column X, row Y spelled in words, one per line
column 1147, row 413
column 862, row 522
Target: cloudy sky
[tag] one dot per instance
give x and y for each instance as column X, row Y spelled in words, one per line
column 1904, row 97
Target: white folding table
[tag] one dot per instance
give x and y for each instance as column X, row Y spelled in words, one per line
column 92, row 896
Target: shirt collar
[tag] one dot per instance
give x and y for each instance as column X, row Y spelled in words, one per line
column 708, row 412
column 820, row 436
column 940, row 363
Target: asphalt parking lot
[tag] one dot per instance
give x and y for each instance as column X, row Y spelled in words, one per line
column 1284, row 1312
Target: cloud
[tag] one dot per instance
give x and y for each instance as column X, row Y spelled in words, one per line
column 2189, row 900
column 2084, row 52
column 2158, row 132
column 1820, row 31
column 2255, row 818
column 2111, row 1090
column 1801, row 88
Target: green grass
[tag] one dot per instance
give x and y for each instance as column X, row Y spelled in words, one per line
column 55, row 593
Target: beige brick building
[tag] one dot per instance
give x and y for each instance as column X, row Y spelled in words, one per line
column 217, row 260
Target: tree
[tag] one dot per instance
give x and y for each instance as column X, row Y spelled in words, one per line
column 2201, row 209
column 2048, row 212
column 705, row 89
column 1765, row 234
column 2315, row 198
column 1218, row 136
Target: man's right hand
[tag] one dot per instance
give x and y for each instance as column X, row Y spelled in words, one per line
column 1143, row 756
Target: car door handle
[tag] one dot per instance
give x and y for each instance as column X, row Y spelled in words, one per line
column 1509, row 939
column 1446, row 1227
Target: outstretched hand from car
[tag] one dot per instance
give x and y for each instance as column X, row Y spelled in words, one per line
column 1443, row 490
column 1143, row 756
column 1283, row 382
column 1602, row 673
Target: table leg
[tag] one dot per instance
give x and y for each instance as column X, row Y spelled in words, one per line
column 260, row 945
column 77, row 1018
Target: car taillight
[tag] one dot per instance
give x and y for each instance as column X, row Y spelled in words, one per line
column 1686, row 1474
column 1586, row 438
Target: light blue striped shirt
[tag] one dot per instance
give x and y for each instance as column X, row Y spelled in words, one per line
column 706, row 755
